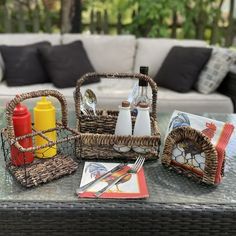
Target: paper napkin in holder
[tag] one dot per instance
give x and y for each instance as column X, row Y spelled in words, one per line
column 195, row 146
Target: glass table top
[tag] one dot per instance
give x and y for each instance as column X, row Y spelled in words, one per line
column 164, row 186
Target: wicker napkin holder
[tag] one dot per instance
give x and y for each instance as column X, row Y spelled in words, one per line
column 199, row 143
column 41, row 170
column 97, row 132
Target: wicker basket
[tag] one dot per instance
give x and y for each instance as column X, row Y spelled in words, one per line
column 97, row 132
column 41, row 170
column 200, row 145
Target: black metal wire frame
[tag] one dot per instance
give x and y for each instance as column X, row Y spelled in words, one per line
column 64, row 148
column 3, row 147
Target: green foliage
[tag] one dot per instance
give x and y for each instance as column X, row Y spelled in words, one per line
column 113, row 7
column 26, row 13
column 200, row 19
column 154, row 18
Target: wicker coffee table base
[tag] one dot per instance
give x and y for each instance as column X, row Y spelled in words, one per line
column 114, row 218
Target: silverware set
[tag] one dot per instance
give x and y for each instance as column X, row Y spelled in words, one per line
column 95, row 181
column 88, row 102
column 133, row 170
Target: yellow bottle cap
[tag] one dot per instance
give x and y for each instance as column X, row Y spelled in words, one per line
column 44, row 104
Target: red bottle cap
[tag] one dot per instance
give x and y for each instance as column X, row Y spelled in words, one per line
column 20, row 110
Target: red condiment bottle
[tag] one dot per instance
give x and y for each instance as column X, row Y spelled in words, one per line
column 22, row 125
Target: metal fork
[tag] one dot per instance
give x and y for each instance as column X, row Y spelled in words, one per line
column 133, row 170
column 95, row 181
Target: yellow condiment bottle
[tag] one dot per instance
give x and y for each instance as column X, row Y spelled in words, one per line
column 45, row 118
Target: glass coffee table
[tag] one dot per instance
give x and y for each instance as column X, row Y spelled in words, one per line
column 176, row 204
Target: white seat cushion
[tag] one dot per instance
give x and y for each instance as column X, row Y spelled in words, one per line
column 111, row 93
column 107, row 53
column 193, row 102
column 152, row 52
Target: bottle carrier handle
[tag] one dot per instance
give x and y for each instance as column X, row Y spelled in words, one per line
column 136, row 76
column 24, row 96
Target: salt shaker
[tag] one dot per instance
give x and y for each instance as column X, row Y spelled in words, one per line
column 142, row 126
column 123, row 125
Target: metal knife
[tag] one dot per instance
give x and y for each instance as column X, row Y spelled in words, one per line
column 95, row 181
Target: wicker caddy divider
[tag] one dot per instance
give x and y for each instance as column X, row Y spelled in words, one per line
column 97, row 132
column 41, row 170
column 200, row 142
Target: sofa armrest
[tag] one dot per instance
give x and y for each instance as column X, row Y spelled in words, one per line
column 228, row 87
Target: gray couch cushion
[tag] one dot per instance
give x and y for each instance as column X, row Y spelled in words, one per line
column 107, row 53
column 117, row 54
column 193, row 102
column 168, row 100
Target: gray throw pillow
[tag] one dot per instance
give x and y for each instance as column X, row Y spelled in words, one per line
column 215, row 70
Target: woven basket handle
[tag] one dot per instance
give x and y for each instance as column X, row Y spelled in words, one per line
column 89, row 76
column 20, row 98
column 187, row 133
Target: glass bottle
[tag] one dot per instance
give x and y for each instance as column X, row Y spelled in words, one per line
column 142, row 96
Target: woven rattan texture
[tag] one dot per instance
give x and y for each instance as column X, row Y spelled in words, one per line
column 97, row 132
column 199, row 140
column 109, row 218
column 40, row 171
column 44, row 170
column 164, row 186
column 177, row 205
